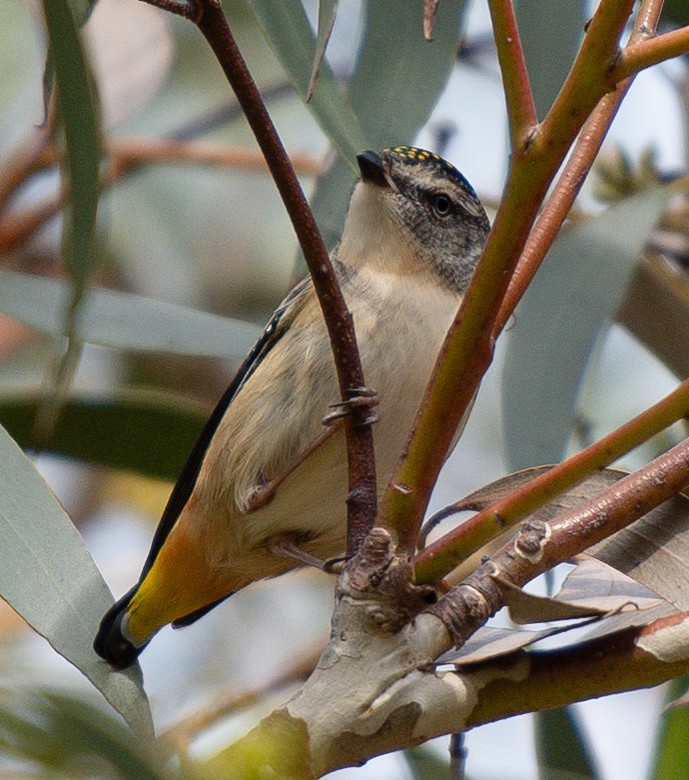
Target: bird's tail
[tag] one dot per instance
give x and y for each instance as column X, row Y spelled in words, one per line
column 111, row 643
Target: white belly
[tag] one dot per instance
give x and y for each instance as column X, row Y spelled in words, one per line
column 398, row 346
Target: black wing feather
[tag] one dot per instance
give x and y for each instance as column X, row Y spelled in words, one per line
column 186, row 481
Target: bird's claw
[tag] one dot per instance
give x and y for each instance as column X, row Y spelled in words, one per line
column 357, row 398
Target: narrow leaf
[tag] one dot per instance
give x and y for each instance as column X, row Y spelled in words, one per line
column 327, row 12
column 116, row 319
column 574, row 295
column 48, row 576
column 149, row 433
column 78, row 111
column 670, row 760
column 561, row 746
column 288, row 32
column 549, row 49
column 56, row 731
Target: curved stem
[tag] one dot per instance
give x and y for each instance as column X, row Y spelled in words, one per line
column 521, row 110
column 456, row 546
column 211, row 21
column 643, row 55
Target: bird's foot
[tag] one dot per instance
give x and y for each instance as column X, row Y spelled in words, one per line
column 286, row 546
column 357, row 398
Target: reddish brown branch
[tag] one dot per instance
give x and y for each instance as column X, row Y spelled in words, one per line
column 540, row 546
column 456, row 546
column 521, row 110
column 610, row 664
column 212, row 23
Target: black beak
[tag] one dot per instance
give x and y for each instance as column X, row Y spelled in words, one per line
column 372, row 170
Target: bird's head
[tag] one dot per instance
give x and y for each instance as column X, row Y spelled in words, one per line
column 414, row 211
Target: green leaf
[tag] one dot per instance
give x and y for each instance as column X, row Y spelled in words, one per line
column 562, row 750
column 424, row 763
column 327, row 12
column 78, row 111
column 550, row 48
column 287, row 30
column 56, row 731
column 574, row 295
column 116, row 319
column 48, row 576
column 670, row 759
column 81, row 10
column 392, row 96
column 150, row 433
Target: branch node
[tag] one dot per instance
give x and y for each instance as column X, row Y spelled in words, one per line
column 378, row 575
column 464, row 609
column 531, row 540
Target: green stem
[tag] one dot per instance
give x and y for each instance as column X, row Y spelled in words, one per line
column 521, row 111
column 468, row 349
column 643, row 55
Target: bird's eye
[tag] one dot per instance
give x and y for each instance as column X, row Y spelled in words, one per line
column 442, row 205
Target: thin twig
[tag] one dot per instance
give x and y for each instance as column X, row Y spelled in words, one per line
column 644, row 55
column 566, row 535
column 126, row 156
column 560, row 202
column 457, row 545
column 521, row 110
column 468, row 349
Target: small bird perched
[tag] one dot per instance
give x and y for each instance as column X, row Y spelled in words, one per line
column 264, row 489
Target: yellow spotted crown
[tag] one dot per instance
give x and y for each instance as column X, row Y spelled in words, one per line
column 414, row 155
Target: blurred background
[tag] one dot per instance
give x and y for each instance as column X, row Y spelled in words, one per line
column 205, row 229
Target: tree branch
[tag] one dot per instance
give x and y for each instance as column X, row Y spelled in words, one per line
column 540, row 546
column 521, row 111
column 457, row 545
column 643, row 55
column 361, row 503
column 636, row 658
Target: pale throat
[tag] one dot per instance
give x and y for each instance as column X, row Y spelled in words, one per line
column 372, row 238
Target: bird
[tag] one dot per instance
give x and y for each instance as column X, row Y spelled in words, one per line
column 263, row 491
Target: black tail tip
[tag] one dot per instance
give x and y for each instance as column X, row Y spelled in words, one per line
column 110, row 643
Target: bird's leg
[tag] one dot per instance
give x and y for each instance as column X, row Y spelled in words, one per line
column 357, row 397
column 287, row 545
column 262, row 494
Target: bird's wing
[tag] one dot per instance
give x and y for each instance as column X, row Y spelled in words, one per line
column 276, row 328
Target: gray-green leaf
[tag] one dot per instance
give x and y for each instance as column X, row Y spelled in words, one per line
column 48, row 576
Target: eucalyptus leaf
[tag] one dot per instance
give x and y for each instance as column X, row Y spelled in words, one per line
column 574, row 295
column 562, row 750
column 79, row 115
column 392, row 96
column 81, row 10
column 55, row 731
column 48, row 576
column 78, row 109
column 288, row 32
column 549, row 49
column 670, row 760
column 123, row 320
column 146, row 432
column 327, row 12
